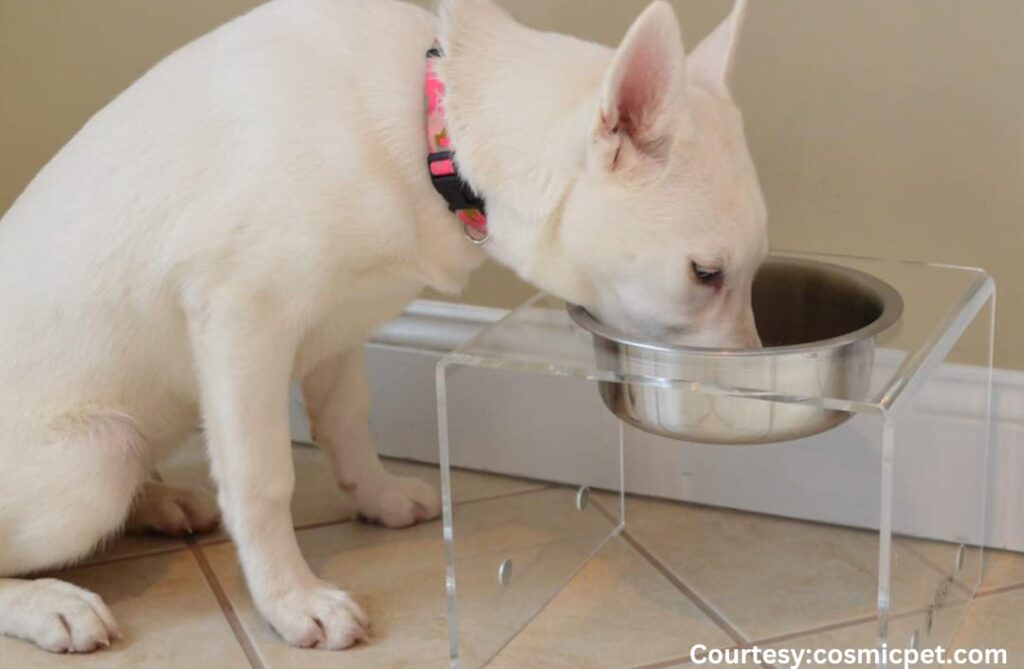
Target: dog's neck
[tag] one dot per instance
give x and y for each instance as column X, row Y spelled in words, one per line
column 520, row 106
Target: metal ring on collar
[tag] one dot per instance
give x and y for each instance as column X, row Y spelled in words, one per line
column 475, row 236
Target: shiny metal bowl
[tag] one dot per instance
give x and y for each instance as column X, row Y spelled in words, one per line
column 819, row 323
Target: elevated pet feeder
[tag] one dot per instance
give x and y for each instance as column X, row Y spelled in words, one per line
column 852, row 345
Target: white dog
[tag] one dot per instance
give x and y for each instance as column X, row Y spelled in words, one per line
column 252, row 208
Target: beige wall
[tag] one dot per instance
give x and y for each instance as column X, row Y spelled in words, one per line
column 879, row 127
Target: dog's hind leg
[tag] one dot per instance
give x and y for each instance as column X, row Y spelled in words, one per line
column 173, row 511
column 338, row 402
column 60, row 497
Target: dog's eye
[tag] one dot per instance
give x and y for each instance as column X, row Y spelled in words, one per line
column 707, row 275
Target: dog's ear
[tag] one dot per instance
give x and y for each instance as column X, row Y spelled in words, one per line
column 643, row 94
column 710, row 64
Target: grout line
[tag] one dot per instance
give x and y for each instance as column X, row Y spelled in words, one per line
column 853, row 622
column 540, row 483
column 506, row 495
column 355, row 518
column 203, row 543
column 319, row 524
column 666, row 664
column 935, row 567
column 226, row 608
column 687, row 660
column 999, row 590
column 344, row 521
column 58, row 572
column 840, row 625
column 125, row 558
column 687, row 591
column 606, row 513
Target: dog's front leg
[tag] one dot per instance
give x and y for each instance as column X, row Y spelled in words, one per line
column 244, row 363
column 338, row 402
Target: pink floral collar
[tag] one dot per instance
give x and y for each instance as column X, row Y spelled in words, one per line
column 467, row 206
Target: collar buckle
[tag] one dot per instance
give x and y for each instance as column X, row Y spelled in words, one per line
column 468, row 207
column 450, row 185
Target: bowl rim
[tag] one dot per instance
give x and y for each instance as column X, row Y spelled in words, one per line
column 892, row 311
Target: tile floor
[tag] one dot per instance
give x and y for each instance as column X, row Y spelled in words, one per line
column 679, row 575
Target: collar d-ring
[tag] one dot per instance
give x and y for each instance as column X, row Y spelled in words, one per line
column 475, row 236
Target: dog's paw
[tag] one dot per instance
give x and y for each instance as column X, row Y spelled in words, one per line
column 56, row 616
column 320, row 616
column 173, row 511
column 399, row 502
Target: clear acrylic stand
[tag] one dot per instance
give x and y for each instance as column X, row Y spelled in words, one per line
column 504, row 567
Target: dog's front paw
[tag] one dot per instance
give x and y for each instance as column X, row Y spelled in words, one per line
column 56, row 616
column 399, row 502
column 319, row 616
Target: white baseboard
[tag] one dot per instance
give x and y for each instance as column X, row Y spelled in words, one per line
column 830, row 478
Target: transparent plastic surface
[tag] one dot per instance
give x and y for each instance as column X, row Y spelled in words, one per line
column 509, row 556
column 956, row 495
column 771, row 574
column 903, row 585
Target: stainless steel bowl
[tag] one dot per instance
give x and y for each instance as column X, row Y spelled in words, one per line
column 819, row 324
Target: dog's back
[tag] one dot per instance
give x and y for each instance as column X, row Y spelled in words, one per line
column 273, row 150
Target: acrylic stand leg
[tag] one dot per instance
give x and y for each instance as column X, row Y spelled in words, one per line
column 924, row 610
column 508, row 555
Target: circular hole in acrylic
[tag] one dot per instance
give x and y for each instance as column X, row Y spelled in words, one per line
column 505, row 572
column 583, row 498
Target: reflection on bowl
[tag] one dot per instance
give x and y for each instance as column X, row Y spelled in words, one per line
column 819, row 323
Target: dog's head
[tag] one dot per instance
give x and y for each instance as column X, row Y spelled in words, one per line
column 666, row 220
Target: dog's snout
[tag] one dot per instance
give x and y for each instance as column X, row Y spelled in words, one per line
column 748, row 337
column 751, row 340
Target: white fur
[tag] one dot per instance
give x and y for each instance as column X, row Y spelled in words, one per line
column 252, row 208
